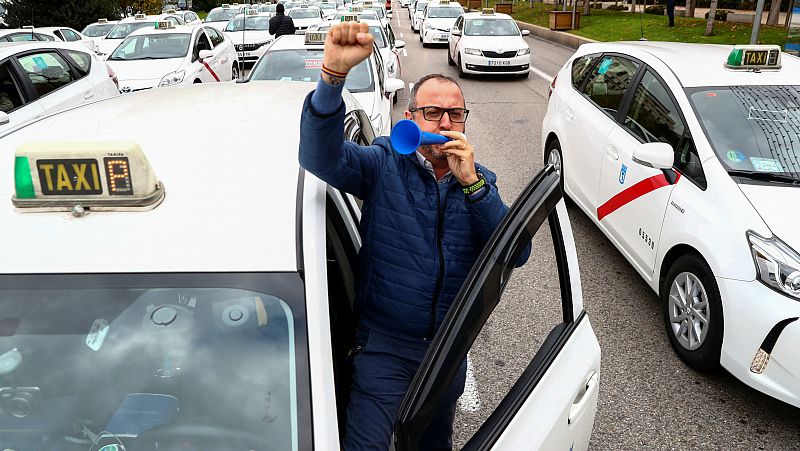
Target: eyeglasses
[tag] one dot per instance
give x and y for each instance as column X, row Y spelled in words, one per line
column 435, row 113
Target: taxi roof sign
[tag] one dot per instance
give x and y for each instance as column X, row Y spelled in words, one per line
column 27, row 27
column 139, row 16
column 349, row 17
column 754, row 57
column 250, row 12
column 170, row 11
column 164, row 25
column 356, row 9
column 226, row 5
column 487, row 11
column 102, row 20
column 73, row 176
column 315, row 37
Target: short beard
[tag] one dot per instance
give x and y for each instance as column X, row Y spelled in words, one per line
column 435, row 153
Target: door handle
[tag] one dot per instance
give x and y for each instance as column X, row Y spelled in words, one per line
column 582, row 400
column 569, row 114
column 88, row 95
column 612, row 152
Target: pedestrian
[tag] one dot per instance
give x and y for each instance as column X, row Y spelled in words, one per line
column 671, row 12
column 280, row 24
column 425, row 218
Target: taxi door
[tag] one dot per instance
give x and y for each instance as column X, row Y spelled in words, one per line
column 56, row 83
column 205, row 69
column 552, row 404
column 634, row 197
column 452, row 40
column 14, row 100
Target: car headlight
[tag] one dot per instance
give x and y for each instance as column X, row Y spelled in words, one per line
column 526, row 51
column 172, row 78
column 777, row 264
column 476, row 52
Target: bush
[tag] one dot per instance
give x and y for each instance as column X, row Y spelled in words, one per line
column 721, row 14
column 617, row 8
column 655, row 9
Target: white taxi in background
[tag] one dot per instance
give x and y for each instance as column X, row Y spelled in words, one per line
column 416, row 14
column 305, row 17
column 190, row 265
column 40, row 78
column 166, row 55
column 188, row 17
column 98, row 30
column 219, row 16
column 686, row 157
column 68, row 34
column 249, row 33
column 437, row 21
column 488, row 43
column 127, row 26
column 299, row 58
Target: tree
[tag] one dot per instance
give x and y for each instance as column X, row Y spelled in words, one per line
column 140, row 6
column 690, row 4
column 774, row 13
column 712, row 12
column 587, row 7
column 71, row 13
column 204, row 5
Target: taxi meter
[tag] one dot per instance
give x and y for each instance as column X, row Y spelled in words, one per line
column 71, row 176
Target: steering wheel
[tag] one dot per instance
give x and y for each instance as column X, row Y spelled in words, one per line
column 198, row 437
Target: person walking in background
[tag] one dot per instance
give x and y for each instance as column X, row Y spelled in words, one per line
column 280, row 24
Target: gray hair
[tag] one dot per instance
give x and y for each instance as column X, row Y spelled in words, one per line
column 412, row 100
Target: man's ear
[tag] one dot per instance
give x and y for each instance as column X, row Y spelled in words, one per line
column 407, row 114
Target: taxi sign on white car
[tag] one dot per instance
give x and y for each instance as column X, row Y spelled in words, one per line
column 754, row 57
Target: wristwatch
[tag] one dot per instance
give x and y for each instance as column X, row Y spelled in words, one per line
column 471, row 189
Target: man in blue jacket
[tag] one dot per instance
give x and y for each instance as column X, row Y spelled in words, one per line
column 425, row 218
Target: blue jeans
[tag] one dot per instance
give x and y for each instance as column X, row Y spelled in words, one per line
column 382, row 371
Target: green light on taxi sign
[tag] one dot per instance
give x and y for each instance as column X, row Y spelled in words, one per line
column 735, row 57
column 22, row 179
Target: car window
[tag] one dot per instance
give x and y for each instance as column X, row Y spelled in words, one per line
column 70, row 35
column 10, row 91
column 608, row 81
column 580, row 67
column 44, row 37
column 200, row 43
column 377, row 33
column 304, row 65
column 97, row 30
column 47, row 71
column 152, row 46
column 491, row 27
column 652, row 115
column 81, row 59
column 22, row 37
column 59, row 35
column 215, row 35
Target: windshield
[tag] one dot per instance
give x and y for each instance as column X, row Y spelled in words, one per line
column 491, row 27
column 305, row 65
column 267, row 8
column 170, row 361
column 377, row 33
column 327, row 6
column 153, row 46
column 752, row 128
column 421, row 6
column 444, row 13
column 122, row 30
column 97, row 30
column 365, row 15
column 221, row 15
column 253, row 23
column 304, row 13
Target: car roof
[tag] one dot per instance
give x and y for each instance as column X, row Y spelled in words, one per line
column 11, row 48
column 293, row 42
column 480, row 15
column 231, row 199
column 698, row 65
column 180, row 29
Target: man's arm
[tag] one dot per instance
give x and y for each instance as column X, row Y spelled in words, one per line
column 273, row 25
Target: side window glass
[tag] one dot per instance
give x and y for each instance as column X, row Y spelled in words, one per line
column 60, row 35
column 580, row 67
column 47, row 70
column 70, row 35
column 82, row 60
column 10, row 92
column 44, row 37
column 23, row 37
column 202, row 43
column 687, row 161
column 216, row 37
column 608, row 81
column 652, row 115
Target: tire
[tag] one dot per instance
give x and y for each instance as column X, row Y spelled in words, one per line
column 525, row 75
column 394, row 99
column 553, row 154
column 420, row 40
column 235, row 72
column 461, row 73
column 197, row 81
column 701, row 352
column 450, row 61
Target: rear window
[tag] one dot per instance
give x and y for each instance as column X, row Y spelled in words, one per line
column 305, row 65
column 581, row 67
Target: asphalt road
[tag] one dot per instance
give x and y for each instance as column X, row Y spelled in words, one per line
column 648, row 398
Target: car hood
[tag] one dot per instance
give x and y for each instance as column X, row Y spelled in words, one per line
column 128, row 71
column 441, row 24
column 495, row 43
column 307, row 22
column 774, row 204
column 250, row 36
column 106, row 46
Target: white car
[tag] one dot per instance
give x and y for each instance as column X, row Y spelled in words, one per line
column 250, row 37
column 437, row 22
column 488, row 43
column 267, row 8
column 23, row 35
column 125, row 27
column 40, row 78
column 299, row 58
column 692, row 177
column 67, row 34
column 98, row 30
column 191, row 264
column 379, row 10
column 417, row 15
column 219, row 17
column 405, row 3
column 188, row 17
column 305, row 17
column 328, row 9
column 167, row 56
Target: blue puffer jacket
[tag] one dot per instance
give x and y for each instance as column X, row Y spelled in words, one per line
column 420, row 238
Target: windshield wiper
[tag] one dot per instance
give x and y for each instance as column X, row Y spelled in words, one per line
column 765, row 176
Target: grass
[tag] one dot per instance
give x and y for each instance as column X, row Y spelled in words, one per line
column 202, row 15
column 603, row 25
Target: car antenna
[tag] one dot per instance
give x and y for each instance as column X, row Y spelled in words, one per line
column 641, row 26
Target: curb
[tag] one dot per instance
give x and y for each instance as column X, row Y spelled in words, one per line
column 559, row 37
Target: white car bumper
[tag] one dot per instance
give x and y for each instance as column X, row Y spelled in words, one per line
column 474, row 64
column 751, row 311
column 248, row 55
column 434, row 36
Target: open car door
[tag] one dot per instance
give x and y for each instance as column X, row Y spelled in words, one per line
column 552, row 403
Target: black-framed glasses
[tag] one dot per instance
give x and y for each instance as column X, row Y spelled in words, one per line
column 435, row 113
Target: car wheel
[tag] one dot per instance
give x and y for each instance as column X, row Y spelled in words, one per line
column 461, row 73
column 692, row 310
column 525, row 75
column 196, row 81
column 450, row 61
column 553, row 155
column 235, row 72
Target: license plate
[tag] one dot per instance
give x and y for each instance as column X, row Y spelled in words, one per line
column 499, row 63
column 243, row 54
column 442, row 37
column 69, row 177
column 755, row 57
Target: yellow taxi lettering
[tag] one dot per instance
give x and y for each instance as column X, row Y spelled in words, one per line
column 48, row 168
column 63, row 179
column 80, row 176
column 95, row 177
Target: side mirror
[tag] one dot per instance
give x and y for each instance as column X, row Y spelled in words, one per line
column 4, row 118
column 655, row 155
column 526, row 32
column 398, row 44
column 394, row 84
column 455, row 32
column 206, row 54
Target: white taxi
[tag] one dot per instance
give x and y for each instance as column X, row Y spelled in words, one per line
column 23, row 35
column 686, row 157
column 437, row 21
column 299, row 58
column 165, row 263
column 125, row 27
column 218, row 17
column 68, row 34
column 328, row 9
column 98, row 30
column 40, row 78
column 188, row 17
column 305, row 17
column 416, row 14
column 488, row 43
column 379, row 10
column 166, row 55
column 250, row 35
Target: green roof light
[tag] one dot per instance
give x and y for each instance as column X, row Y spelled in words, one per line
column 22, row 179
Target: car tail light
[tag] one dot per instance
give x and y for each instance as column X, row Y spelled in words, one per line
column 112, row 75
column 552, row 86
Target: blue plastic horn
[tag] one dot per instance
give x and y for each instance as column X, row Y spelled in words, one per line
column 406, row 137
